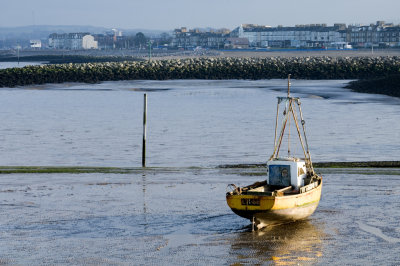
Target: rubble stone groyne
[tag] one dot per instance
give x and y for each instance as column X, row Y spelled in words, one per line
column 387, row 85
column 205, row 68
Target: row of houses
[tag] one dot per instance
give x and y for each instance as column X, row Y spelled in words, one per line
column 311, row 36
column 250, row 35
column 299, row 36
column 245, row 36
column 187, row 39
column 380, row 34
column 85, row 40
column 73, row 41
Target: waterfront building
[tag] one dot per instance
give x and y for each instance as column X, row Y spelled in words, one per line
column 35, row 44
column 189, row 39
column 71, row 41
column 378, row 35
column 309, row 36
column 236, row 43
column 88, row 42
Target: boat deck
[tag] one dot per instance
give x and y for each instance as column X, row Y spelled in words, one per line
column 263, row 189
column 272, row 191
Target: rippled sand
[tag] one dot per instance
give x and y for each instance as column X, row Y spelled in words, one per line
column 179, row 216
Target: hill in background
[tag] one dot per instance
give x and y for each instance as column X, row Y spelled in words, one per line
column 10, row 36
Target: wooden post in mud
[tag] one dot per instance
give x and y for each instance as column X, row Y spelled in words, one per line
column 144, row 131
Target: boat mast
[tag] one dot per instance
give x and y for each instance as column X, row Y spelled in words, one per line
column 308, row 157
column 290, row 105
column 290, row 110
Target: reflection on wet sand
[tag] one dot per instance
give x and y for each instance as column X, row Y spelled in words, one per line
column 145, row 222
column 286, row 244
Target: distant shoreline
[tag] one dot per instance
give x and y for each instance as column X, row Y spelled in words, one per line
column 121, row 55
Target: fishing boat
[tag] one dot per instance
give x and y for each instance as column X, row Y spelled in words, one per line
column 292, row 189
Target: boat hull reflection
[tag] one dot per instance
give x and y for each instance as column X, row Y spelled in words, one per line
column 290, row 244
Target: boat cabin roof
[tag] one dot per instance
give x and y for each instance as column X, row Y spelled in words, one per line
column 288, row 159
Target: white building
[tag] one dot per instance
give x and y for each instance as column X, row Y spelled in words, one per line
column 88, row 42
column 36, row 44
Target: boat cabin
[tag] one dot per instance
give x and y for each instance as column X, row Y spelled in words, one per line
column 286, row 172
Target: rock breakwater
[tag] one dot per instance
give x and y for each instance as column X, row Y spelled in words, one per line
column 205, row 68
column 387, row 85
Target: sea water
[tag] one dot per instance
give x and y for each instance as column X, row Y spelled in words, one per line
column 175, row 211
column 18, row 64
column 190, row 123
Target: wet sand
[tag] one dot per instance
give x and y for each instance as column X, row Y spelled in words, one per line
column 176, row 216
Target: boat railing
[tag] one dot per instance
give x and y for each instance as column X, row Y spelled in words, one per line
column 309, row 187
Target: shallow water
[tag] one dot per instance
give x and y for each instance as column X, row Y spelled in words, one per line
column 176, row 216
column 190, row 123
column 16, row 64
column 176, row 213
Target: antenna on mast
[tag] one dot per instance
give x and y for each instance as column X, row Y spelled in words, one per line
column 288, row 86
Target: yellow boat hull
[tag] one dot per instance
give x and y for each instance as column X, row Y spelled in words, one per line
column 270, row 210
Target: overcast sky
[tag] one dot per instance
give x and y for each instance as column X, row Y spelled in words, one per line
column 171, row 14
